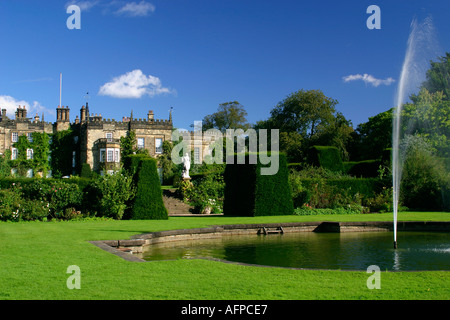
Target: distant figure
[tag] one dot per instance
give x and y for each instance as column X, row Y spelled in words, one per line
column 186, row 166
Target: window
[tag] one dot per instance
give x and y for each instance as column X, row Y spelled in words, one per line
column 29, row 154
column 158, row 145
column 117, row 155
column 14, row 153
column 197, row 155
column 74, row 161
column 14, row 137
column 102, row 155
column 30, row 136
column 109, row 136
column 110, row 155
column 30, row 173
column 140, row 143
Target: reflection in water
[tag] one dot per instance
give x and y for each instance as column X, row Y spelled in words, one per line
column 396, row 260
column 346, row 251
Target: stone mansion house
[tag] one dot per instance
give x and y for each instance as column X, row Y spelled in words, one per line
column 97, row 140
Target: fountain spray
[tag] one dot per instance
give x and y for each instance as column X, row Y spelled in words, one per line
column 420, row 49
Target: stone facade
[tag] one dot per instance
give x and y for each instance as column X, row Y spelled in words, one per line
column 96, row 140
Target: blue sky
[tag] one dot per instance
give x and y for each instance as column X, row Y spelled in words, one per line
column 194, row 55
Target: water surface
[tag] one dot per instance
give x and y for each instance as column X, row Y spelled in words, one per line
column 346, row 251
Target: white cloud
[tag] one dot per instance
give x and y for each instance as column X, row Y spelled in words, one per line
column 11, row 104
column 135, row 9
column 133, row 84
column 369, row 79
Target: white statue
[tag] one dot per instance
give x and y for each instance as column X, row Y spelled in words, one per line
column 186, row 166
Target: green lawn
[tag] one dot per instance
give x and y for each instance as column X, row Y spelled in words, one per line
column 34, row 257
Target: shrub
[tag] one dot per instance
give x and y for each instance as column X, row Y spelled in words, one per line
column 57, row 193
column 132, row 162
column 308, row 211
column 110, row 194
column 15, row 208
column 424, row 178
column 10, row 201
column 381, row 202
column 148, row 203
column 86, row 171
column 249, row 193
column 206, row 193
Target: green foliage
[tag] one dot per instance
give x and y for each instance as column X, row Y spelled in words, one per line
column 86, row 171
column 309, row 211
column 110, row 194
column 169, row 169
column 373, row 136
column 5, row 167
column 382, row 201
column 319, row 188
column 61, row 153
column 438, row 76
column 206, row 193
column 425, row 180
column 365, row 168
column 41, row 152
column 291, row 144
column 249, row 193
column 428, row 117
column 128, row 145
column 59, row 195
column 148, row 203
column 230, row 115
column 326, row 157
column 131, row 163
column 13, row 207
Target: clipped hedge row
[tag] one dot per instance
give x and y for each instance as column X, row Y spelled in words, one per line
column 366, row 168
column 326, row 157
column 7, row 183
column 249, row 193
column 367, row 187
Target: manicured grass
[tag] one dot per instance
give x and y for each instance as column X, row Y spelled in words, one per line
column 34, row 257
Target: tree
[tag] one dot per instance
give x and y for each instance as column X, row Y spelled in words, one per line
column 128, row 144
column 374, row 136
column 229, row 115
column 303, row 112
column 438, row 76
column 306, row 118
column 428, row 116
column 169, row 169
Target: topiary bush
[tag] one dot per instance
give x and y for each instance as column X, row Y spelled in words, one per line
column 86, row 171
column 249, row 193
column 148, row 203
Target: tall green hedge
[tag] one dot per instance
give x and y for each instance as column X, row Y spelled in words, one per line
column 326, row 157
column 366, row 187
column 249, row 193
column 365, row 168
column 148, row 203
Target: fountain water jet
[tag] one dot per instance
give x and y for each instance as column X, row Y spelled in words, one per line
column 421, row 47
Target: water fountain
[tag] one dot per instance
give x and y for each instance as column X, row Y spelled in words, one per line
column 421, row 48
